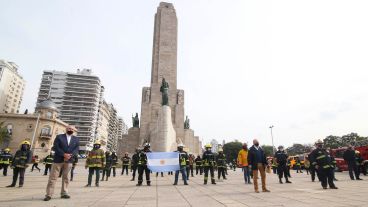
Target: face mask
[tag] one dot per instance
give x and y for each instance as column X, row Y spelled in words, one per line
column 97, row 146
column 69, row 132
column 245, row 147
column 24, row 147
column 256, row 144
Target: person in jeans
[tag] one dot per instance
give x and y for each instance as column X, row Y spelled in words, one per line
column 243, row 163
column 183, row 160
column 257, row 159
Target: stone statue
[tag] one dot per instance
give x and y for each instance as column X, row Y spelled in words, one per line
column 148, row 94
column 165, row 92
column 180, row 97
column 135, row 121
column 186, row 123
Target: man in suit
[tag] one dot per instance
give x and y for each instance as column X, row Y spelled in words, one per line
column 257, row 159
column 66, row 147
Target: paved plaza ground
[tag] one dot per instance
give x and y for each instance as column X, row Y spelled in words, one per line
column 119, row 191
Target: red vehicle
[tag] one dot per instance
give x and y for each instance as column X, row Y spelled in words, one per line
column 341, row 165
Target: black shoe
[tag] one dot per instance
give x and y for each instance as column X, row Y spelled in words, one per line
column 88, row 185
column 47, row 198
column 175, row 184
column 205, row 183
column 132, row 179
column 186, row 184
column 288, row 181
column 214, row 183
column 20, row 186
column 335, row 179
column 139, row 184
column 65, row 196
column 148, row 184
column 325, row 188
column 97, row 185
column 359, row 179
column 10, row 186
column 334, row 187
column 280, row 181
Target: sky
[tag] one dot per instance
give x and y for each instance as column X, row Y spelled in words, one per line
column 300, row 66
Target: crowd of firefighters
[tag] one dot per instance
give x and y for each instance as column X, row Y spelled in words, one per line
column 319, row 163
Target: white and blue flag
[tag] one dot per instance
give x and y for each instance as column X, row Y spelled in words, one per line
column 163, row 161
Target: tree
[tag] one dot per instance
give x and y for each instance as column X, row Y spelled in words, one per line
column 332, row 142
column 231, row 150
column 298, row 149
column 4, row 135
column 268, row 150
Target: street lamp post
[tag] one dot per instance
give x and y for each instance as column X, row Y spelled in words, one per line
column 273, row 146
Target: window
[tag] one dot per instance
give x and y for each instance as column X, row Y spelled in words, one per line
column 46, row 130
column 10, row 129
column 49, row 115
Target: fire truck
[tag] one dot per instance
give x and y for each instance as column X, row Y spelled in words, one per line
column 341, row 165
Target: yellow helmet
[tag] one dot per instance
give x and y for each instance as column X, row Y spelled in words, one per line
column 208, row 146
column 7, row 150
column 97, row 142
column 25, row 142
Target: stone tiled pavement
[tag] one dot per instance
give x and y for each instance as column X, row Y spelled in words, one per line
column 119, row 191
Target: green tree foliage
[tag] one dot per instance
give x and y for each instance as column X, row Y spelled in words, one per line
column 4, row 136
column 231, row 150
column 352, row 138
column 268, row 150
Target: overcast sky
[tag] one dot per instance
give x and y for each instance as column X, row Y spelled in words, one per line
column 244, row 65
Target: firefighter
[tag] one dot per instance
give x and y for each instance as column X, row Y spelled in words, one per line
column 221, row 164
column 142, row 165
column 20, row 162
column 274, row 167
column 107, row 169
column 288, row 165
column 350, row 158
column 321, row 160
column 333, row 161
column 198, row 162
column 359, row 162
column 47, row 161
column 183, row 160
column 312, row 169
column 209, row 163
column 115, row 162
column 5, row 161
column 134, row 163
column 95, row 162
column 298, row 165
column 281, row 160
column 190, row 166
column 125, row 160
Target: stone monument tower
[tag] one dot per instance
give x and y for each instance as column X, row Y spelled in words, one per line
column 153, row 113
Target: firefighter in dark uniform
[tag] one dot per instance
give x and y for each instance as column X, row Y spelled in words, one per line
column 298, row 165
column 321, row 160
column 115, row 162
column 20, row 162
column 208, row 163
column 183, row 160
column 49, row 159
column 359, row 162
column 125, row 167
column 221, row 164
column 134, row 162
column 198, row 162
column 312, row 169
column 142, row 165
column 107, row 169
column 288, row 165
column 95, row 162
column 281, row 160
column 5, row 161
column 190, row 166
column 333, row 161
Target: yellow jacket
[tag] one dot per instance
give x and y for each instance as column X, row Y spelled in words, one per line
column 243, row 158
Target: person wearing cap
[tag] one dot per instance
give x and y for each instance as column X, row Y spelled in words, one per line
column 134, row 163
column 20, row 162
column 5, row 161
column 243, row 163
column 125, row 160
column 95, row 163
column 322, row 162
column 47, row 161
column 281, row 160
column 257, row 159
column 115, row 162
column 221, row 164
column 107, row 169
column 350, row 158
column 208, row 163
column 183, row 160
column 142, row 165
column 66, row 147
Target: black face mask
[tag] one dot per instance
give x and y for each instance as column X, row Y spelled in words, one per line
column 24, row 147
column 96, row 147
column 69, row 132
column 256, row 144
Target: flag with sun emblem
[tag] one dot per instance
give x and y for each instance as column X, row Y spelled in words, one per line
column 163, row 161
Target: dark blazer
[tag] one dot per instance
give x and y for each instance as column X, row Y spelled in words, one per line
column 61, row 147
column 252, row 157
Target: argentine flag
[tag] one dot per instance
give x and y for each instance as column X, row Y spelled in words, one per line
column 163, row 161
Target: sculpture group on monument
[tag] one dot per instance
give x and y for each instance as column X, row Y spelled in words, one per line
column 162, row 122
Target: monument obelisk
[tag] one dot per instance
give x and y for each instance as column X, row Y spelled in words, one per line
column 156, row 127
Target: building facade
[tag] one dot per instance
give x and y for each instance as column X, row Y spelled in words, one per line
column 11, row 87
column 77, row 97
column 102, row 127
column 39, row 128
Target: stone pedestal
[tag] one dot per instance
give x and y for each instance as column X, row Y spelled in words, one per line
column 163, row 137
column 129, row 142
